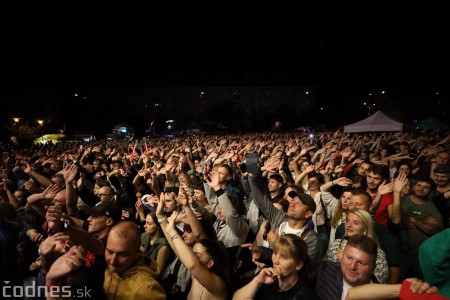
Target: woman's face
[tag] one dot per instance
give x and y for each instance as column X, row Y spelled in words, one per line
column 404, row 169
column 353, row 225
column 286, row 264
column 345, row 198
column 406, row 188
column 313, row 184
column 150, row 227
column 202, row 255
column 305, row 164
column 199, row 195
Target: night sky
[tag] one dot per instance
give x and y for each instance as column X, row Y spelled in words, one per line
column 75, row 49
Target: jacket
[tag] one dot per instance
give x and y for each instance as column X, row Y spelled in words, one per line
column 278, row 218
column 138, row 282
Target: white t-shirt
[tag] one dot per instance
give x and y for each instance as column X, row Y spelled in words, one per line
column 285, row 229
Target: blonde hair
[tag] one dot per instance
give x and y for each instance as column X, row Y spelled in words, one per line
column 339, row 212
column 367, row 221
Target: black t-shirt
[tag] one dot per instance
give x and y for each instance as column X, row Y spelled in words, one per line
column 297, row 292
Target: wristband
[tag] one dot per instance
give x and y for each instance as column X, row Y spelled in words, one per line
column 162, row 220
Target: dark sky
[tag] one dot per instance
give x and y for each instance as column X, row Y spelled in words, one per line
column 96, row 49
column 72, row 49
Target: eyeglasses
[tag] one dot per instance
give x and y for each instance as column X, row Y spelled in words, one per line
column 103, row 195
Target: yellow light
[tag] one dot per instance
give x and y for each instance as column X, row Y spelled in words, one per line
column 16, row 120
column 40, row 122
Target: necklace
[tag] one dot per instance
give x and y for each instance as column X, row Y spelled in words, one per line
column 201, row 292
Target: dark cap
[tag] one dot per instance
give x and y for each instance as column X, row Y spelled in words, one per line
column 277, row 177
column 104, row 208
column 442, row 169
column 305, row 199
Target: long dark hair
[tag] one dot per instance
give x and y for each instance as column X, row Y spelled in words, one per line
column 218, row 253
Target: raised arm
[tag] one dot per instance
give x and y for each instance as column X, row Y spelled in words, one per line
column 44, row 181
column 396, row 211
column 213, row 283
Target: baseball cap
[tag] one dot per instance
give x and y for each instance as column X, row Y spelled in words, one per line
column 442, row 169
column 104, row 208
column 305, row 199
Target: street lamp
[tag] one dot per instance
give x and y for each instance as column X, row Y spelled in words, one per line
column 40, row 122
column 16, row 120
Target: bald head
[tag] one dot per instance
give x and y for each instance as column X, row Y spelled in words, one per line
column 126, row 230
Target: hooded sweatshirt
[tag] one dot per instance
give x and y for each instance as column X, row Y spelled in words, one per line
column 138, row 282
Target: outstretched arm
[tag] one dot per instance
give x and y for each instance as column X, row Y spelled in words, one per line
column 213, row 283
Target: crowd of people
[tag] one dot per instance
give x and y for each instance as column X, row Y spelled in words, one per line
column 274, row 215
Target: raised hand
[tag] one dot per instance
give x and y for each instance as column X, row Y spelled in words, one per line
column 160, row 208
column 171, row 223
column 268, row 275
column 343, row 181
column 256, row 254
column 70, row 172
column 65, row 264
column 53, row 217
column 400, row 182
column 51, row 191
column 213, row 179
column 385, row 188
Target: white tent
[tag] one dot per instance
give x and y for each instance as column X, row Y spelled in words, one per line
column 376, row 122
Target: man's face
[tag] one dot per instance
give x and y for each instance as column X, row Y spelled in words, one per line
column 373, row 180
column 57, row 166
column 105, row 193
column 221, row 214
column 20, row 196
column 356, row 266
column 422, row 189
column 286, row 194
column 442, row 158
column 363, row 168
column 97, row 223
column 297, row 210
column 60, row 198
column 97, row 165
column 273, row 185
column 169, row 203
column 120, row 253
column 223, row 175
column 358, row 201
column 441, row 179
